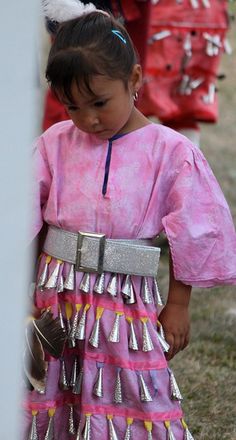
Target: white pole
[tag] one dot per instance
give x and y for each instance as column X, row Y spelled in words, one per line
column 18, row 122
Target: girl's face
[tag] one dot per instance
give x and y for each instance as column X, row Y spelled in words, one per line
column 109, row 110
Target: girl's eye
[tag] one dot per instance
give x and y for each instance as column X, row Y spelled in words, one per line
column 100, row 103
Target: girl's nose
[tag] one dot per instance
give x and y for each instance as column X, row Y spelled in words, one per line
column 90, row 119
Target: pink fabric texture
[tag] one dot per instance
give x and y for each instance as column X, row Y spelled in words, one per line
column 158, row 181
column 179, row 195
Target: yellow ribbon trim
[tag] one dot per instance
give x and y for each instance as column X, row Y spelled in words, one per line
column 129, row 421
column 87, row 307
column 68, row 310
column 48, row 259
column 129, row 319
column 185, row 426
column 167, row 424
column 34, row 412
column 99, row 312
column 148, row 425
column 144, row 320
column 78, row 307
column 109, row 417
column 51, row 412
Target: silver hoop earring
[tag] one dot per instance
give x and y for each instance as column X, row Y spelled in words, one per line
column 135, row 96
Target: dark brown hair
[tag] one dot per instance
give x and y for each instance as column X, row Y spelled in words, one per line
column 86, row 46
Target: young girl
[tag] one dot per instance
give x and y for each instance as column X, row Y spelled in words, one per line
column 107, row 183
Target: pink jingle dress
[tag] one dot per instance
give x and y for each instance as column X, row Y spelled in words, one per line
column 118, row 385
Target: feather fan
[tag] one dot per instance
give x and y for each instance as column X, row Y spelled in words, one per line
column 63, row 10
column 50, row 333
column 42, row 334
column 35, row 366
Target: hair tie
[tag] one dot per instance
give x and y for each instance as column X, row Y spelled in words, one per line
column 119, row 35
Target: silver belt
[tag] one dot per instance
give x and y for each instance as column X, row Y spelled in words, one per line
column 95, row 253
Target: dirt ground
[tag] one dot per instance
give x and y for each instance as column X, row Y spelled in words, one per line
column 206, row 370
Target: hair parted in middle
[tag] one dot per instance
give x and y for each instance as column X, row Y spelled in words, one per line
column 92, row 44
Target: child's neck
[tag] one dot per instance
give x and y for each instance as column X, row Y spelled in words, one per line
column 137, row 120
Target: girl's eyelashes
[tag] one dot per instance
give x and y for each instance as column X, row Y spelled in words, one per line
column 73, row 108
column 100, row 103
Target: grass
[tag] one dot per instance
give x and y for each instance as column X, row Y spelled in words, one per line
column 206, row 370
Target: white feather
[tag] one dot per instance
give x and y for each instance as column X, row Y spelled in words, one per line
column 63, row 10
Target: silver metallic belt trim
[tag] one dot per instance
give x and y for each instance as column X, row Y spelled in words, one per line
column 91, row 252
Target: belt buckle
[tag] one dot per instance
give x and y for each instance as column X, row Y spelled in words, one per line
column 101, row 247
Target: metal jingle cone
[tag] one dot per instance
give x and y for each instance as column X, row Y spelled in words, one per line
column 44, row 275
column 156, row 293
column 53, row 279
column 69, row 283
column 112, row 432
column 71, row 341
column 75, row 322
column 78, row 433
column 115, row 332
column 118, row 389
column 165, row 346
column 74, row 373
column 146, row 294
column 128, row 433
column 61, row 318
column 131, row 299
column 60, row 287
column 85, row 283
column 147, row 341
column 33, row 434
column 187, row 433
column 170, row 434
column 145, row 395
column 94, row 337
column 80, row 332
column 71, row 423
column 78, row 384
column 50, row 429
column 69, row 313
column 98, row 385
column 160, row 330
column 99, row 284
column 87, row 428
column 133, row 343
column 126, row 287
column 112, row 286
column 175, row 393
column 63, row 382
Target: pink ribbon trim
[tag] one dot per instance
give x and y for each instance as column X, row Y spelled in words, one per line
column 132, row 413
column 95, row 301
column 105, row 410
column 142, row 365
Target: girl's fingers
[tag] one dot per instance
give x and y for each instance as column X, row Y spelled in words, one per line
column 177, row 343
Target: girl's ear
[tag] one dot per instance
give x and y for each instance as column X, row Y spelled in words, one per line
column 135, row 81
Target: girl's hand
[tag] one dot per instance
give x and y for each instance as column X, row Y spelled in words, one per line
column 176, row 325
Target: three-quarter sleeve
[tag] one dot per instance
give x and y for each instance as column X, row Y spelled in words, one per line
column 41, row 181
column 199, row 226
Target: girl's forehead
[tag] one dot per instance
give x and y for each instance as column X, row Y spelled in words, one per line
column 99, row 85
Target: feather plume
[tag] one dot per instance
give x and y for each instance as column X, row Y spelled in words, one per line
column 50, row 334
column 35, row 366
column 63, row 10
